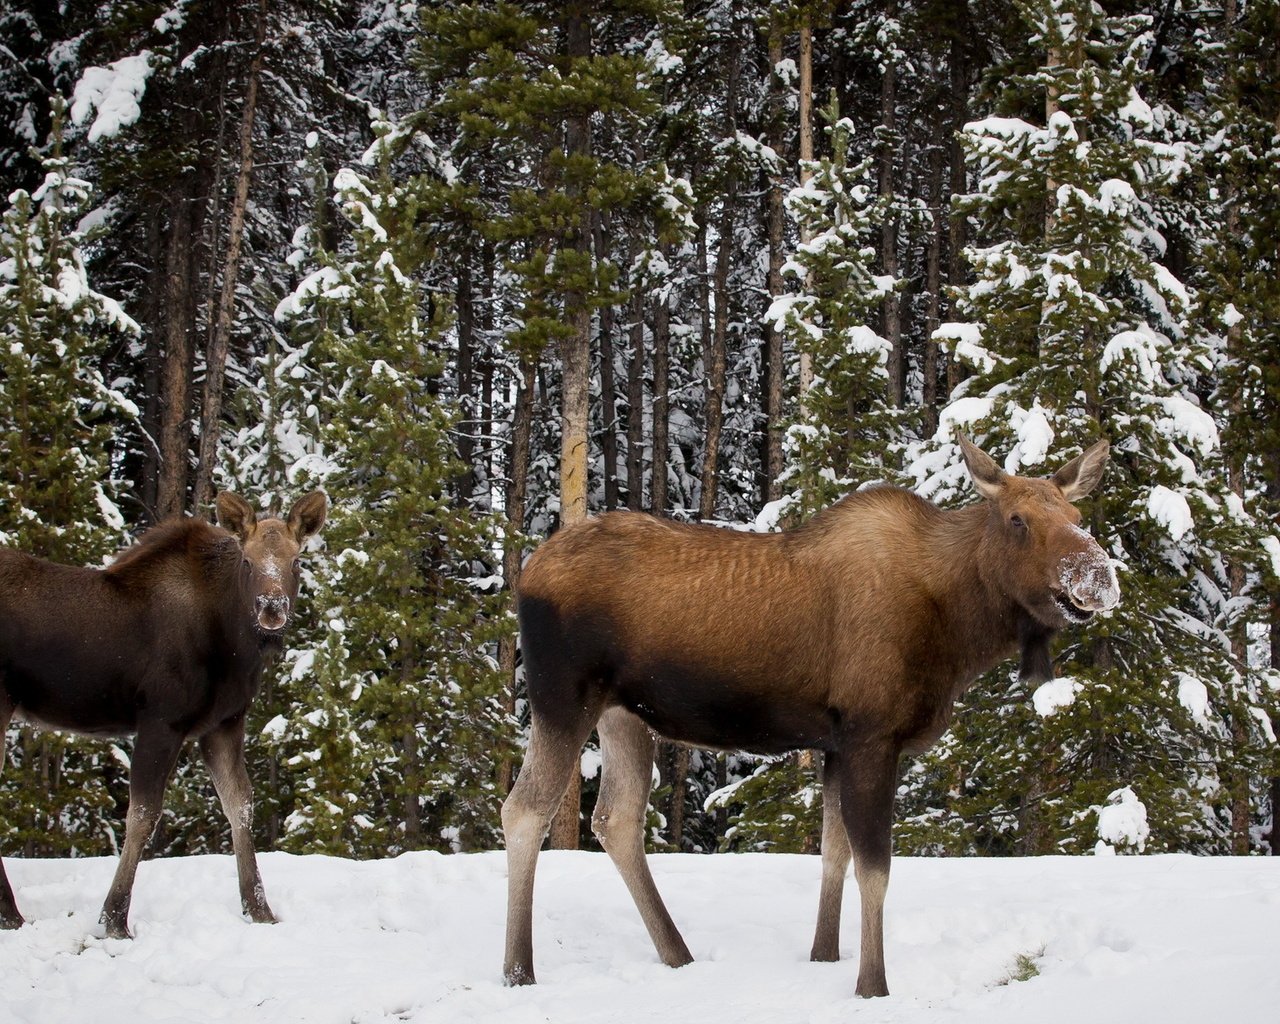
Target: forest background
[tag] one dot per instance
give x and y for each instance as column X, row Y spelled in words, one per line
column 478, row 269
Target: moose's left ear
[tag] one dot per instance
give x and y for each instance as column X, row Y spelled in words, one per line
column 988, row 478
column 307, row 516
column 235, row 515
column 1081, row 475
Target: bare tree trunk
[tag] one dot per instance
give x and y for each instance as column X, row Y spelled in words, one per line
column 179, row 352
column 635, row 401
column 889, row 231
column 933, row 284
column 466, row 324
column 771, row 462
column 220, row 339
column 575, row 361
column 513, row 539
column 608, row 399
column 806, row 157
column 957, row 184
column 658, row 500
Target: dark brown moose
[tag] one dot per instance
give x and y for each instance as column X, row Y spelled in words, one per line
column 167, row 644
column 852, row 634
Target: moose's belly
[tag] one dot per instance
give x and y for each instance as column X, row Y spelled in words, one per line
column 694, row 705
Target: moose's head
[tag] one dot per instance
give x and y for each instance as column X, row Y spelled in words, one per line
column 1036, row 550
column 269, row 553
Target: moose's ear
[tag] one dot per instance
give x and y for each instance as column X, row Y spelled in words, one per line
column 235, row 515
column 307, row 516
column 987, row 477
column 1081, row 475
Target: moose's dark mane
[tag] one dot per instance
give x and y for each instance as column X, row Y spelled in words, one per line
column 174, row 538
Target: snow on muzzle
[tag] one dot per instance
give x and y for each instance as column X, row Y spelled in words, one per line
column 1089, row 579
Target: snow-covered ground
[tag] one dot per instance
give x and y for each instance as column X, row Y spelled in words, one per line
column 419, row 938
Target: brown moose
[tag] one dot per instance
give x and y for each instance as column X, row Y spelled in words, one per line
column 166, row 644
column 852, row 634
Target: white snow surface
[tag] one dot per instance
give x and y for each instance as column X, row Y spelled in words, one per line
column 419, row 938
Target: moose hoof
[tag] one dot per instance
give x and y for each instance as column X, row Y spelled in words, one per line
column 824, row 955
column 871, row 990
column 261, row 915
column 11, row 921
column 116, row 930
column 514, row 976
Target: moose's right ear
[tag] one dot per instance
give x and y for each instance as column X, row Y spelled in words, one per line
column 988, row 478
column 235, row 515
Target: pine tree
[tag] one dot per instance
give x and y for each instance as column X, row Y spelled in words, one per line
column 398, row 751
column 1076, row 330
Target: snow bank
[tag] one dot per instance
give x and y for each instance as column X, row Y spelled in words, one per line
column 419, row 939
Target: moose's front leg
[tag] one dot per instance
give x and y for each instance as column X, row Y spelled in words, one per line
column 155, row 752
column 869, row 776
column 223, row 753
column 835, row 864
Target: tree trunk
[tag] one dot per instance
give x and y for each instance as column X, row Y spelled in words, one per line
column 179, row 352
column 635, row 401
column 933, row 284
column 465, row 319
column 608, row 400
column 772, row 357
column 889, row 231
column 513, row 539
column 220, row 338
column 806, row 157
column 658, row 500
column 575, row 360
column 957, row 184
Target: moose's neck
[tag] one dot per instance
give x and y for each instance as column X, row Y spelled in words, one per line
column 983, row 624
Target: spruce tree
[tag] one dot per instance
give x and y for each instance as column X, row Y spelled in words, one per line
column 1075, row 329
column 393, row 740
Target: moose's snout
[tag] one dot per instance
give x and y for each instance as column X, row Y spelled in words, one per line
column 273, row 612
column 1090, row 580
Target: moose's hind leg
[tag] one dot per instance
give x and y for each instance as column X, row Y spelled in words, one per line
column 155, row 752
column 626, row 750
column 835, row 865
column 9, row 915
column 554, row 752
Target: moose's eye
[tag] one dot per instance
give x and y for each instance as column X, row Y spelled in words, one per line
column 245, row 564
column 297, row 564
column 1017, row 522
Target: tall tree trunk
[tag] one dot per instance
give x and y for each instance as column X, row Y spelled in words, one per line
column 957, row 185
column 806, row 157
column 466, row 326
column 179, row 351
column 658, row 499
column 933, row 284
column 575, row 362
column 889, row 229
column 608, row 398
column 635, row 399
column 220, row 338
column 772, row 357
column 513, row 538
column 715, row 344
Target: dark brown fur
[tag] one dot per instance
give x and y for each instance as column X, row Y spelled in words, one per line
column 167, row 644
column 852, row 635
